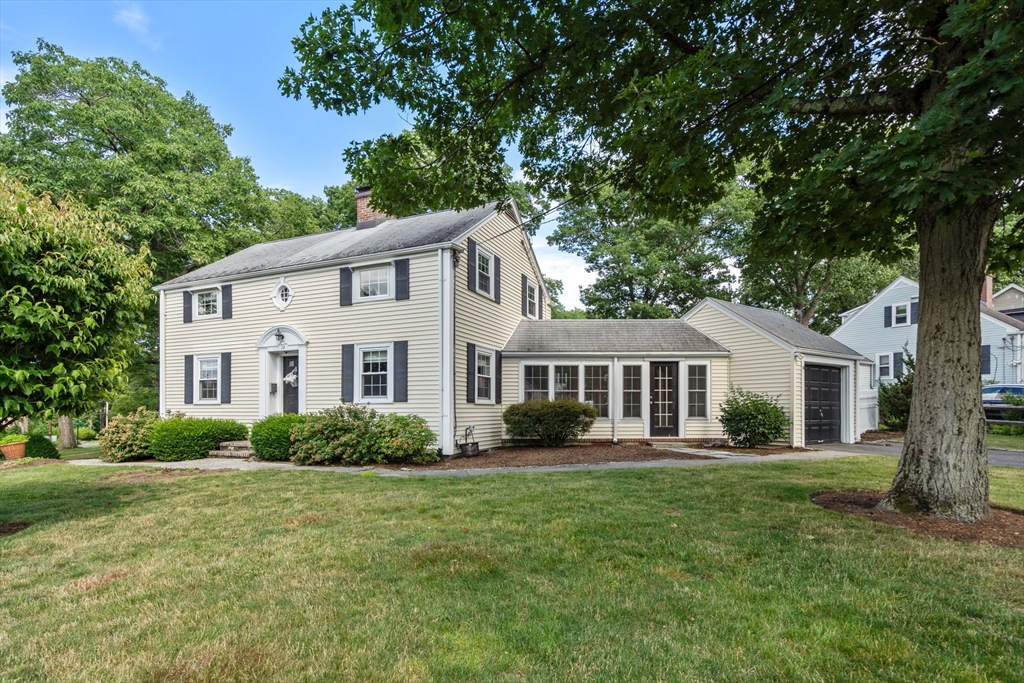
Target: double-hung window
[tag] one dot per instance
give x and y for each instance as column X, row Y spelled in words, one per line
column 374, row 373
column 632, row 391
column 697, row 391
column 531, row 299
column 208, row 378
column 535, row 382
column 374, row 282
column 567, row 382
column 208, row 304
column 901, row 314
column 884, row 366
column 484, row 376
column 595, row 388
column 484, row 272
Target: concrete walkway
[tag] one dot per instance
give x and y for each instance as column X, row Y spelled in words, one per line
column 247, row 465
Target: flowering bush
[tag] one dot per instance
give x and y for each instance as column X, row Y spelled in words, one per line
column 356, row 435
column 127, row 436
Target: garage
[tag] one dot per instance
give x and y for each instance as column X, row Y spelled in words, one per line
column 823, row 403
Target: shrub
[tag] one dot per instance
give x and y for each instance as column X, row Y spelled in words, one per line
column 271, row 436
column 894, row 397
column 85, row 433
column 751, row 420
column 191, row 438
column 40, row 446
column 127, row 436
column 552, row 423
column 356, row 435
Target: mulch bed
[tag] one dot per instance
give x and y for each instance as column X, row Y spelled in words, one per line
column 1006, row 528
column 766, row 450
column 875, row 435
column 11, row 528
column 529, row 456
column 141, row 475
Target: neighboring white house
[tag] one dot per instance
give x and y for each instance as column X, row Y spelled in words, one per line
column 881, row 328
column 445, row 315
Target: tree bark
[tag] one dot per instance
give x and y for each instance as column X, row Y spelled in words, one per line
column 943, row 470
column 66, row 432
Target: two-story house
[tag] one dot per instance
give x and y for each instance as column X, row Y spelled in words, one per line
column 882, row 327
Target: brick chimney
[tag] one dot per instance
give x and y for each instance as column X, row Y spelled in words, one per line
column 366, row 215
column 986, row 292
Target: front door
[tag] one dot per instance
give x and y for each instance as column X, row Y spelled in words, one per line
column 664, row 399
column 823, row 403
column 290, row 380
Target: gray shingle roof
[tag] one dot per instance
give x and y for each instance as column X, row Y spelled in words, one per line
column 610, row 336
column 1002, row 317
column 788, row 330
column 396, row 234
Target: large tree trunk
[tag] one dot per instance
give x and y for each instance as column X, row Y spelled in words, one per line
column 66, row 432
column 943, row 470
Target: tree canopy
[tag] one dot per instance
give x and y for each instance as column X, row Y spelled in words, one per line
column 72, row 298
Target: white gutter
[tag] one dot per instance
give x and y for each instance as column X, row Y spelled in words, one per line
column 446, row 326
column 161, row 353
column 632, row 354
column 613, row 406
column 797, row 440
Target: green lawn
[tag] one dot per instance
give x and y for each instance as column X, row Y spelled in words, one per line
column 80, row 453
column 712, row 573
column 1015, row 443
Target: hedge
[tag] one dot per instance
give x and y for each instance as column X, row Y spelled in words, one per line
column 552, row 423
column 191, row 438
column 271, row 436
column 40, row 446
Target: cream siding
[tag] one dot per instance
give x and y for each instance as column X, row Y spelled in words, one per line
column 482, row 321
column 709, row 428
column 315, row 313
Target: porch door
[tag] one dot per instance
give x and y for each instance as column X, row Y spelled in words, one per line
column 291, row 389
column 664, row 399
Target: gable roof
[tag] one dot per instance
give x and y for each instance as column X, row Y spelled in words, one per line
column 396, row 234
column 900, row 280
column 782, row 328
column 562, row 337
column 1007, row 288
column 1007, row 320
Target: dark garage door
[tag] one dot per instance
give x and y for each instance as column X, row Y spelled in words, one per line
column 823, row 403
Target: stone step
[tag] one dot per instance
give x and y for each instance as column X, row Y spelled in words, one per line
column 235, row 445
column 233, row 453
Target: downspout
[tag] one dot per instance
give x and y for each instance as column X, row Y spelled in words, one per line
column 162, row 377
column 446, row 315
column 797, row 434
column 613, row 405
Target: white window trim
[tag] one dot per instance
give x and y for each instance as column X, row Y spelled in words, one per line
column 357, row 287
column 196, row 315
column 358, row 379
column 890, row 365
column 536, row 299
column 197, row 387
column 484, row 352
column 613, row 404
column 480, row 251
column 623, row 364
column 276, row 295
column 686, row 391
column 896, row 324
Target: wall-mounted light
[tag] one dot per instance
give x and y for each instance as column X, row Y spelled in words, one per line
column 279, row 335
column 273, row 388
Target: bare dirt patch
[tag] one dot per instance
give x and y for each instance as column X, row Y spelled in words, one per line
column 144, row 475
column 875, row 435
column 764, row 450
column 11, row 528
column 1006, row 528
column 35, row 462
column 88, row 583
column 532, row 456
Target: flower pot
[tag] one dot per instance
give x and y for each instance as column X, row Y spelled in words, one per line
column 13, row 451
column 469, row 450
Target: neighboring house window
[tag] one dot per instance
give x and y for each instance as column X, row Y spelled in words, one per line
column 208, row 379
column 531, row 299
column 484, row 271
column 567, row 382
column 901, row 314
column 697, row 391
column 535, row 383
column 632, row 391
column 484, row 384
column 374, row 283
column 595, row 388
column 208, row 304
column 374, row 378
column 884, row 366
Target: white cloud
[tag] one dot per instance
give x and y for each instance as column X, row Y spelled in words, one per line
column 570, row 269
column 134, row 18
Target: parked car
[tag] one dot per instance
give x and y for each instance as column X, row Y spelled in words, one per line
column 992, row 399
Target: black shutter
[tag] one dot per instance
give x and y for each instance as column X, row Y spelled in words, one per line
column 897, row 364
column 526, row 311
column 888, row 316
column 913, row 312
column 497, row 280
column 225, row 301
column 190, row 379
column 497, row 377
column 471, row 264
column 401, row 365
column 402, row 278
column 348, row 362
column 540, row 304
column 470, row 373
column 986, row 359
column 346, row 286
column 225, row 378
column 186, row 307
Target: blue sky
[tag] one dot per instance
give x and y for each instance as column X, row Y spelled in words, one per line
column 230, row 55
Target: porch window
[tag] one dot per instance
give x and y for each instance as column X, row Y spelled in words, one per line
column 484, row 364
column 209, row 379
column 567, row 382
column 535, row 383
column 595, row 388
column 374, row 373
column 697, row 391
column 632, row 391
